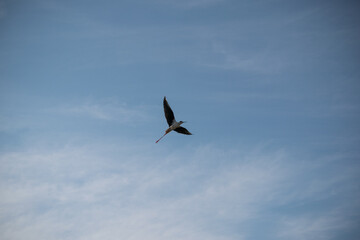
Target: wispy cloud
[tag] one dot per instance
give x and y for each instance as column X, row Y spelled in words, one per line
column 57, row 115
column 110, row 110
column 310, row 226
column 118, row 191
column 261, row 61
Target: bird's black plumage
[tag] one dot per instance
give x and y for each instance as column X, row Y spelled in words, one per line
column 182, row 130
column 169, row 115
column 173, row 124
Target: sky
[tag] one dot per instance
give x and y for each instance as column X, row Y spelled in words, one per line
column 269, row 89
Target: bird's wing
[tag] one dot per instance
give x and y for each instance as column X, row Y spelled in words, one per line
column 182, row 130
column 169, row 115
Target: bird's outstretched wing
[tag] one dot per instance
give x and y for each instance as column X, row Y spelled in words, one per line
column 182, row 130
column 169, row 115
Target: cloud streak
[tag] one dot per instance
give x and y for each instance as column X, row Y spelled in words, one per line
column 98, row 191
column 109, row 111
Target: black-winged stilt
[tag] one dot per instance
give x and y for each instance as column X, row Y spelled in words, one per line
column 173, row 124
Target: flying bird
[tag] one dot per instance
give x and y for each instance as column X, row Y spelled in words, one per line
column 173, row 124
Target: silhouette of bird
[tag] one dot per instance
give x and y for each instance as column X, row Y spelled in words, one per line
column 173, row 124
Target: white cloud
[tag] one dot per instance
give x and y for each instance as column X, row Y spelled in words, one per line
column 313, row 227
column 260, row 60
column 109, row 110
column 133, row 191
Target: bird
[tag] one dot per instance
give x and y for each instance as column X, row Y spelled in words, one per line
column 173, row 124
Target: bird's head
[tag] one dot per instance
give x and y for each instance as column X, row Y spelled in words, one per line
column 181, row 122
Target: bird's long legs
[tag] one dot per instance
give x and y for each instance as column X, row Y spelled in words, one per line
column 161, row 137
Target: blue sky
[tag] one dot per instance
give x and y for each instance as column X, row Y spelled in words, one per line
column 270, row 90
